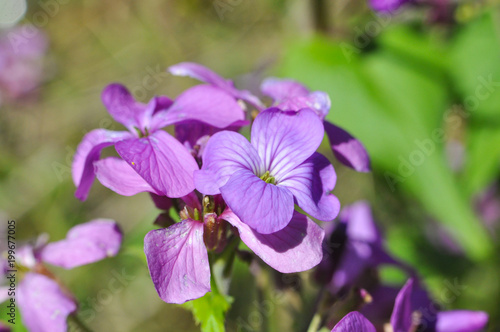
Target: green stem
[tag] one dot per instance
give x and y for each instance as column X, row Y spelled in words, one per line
column 315, row 323
column 75, row 324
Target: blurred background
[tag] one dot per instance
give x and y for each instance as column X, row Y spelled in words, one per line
column 420, row 88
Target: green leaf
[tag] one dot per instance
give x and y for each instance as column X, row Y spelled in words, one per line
column 395, row 107
column 482, row 159
column 475, row 67
column 209, row 311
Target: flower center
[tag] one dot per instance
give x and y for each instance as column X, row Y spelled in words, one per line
column 142, row 134
column 268, row 178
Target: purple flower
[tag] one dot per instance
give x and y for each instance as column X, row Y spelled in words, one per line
column 178, row 259
column 354, row 321
column 487, row 206
column 152, row 160
column 293, row 96
column 413, row 311
column 353, row 246
column 44, row 304
column 260, row 181
column 387, row 6
column 22, row 49
column 206, row 75
column 3, row 327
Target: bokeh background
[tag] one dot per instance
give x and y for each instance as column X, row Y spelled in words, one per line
column 420, row 88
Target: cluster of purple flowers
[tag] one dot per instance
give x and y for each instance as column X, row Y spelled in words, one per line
column 225, row 184
column 45, row 303
column 225, row 187
column 353, row 249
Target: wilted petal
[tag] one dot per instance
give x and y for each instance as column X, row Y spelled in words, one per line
column 311, row 184
column 204, row 103
column 401, row 319
column 124, row 109
column 162, row 161
column 295, row 248
column 461, row 321
column 85, row 243
column 43, row 304
column 178, row 261
column 89, row 151
column 115, row 174
column 281, row 89
column 265, row 207
column 225, row 153
column 285, row 140
column 354, row 321
column 347, row 149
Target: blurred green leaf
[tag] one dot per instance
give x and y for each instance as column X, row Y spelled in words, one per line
column 475, row 67
column 396, row 108
column 483, row 158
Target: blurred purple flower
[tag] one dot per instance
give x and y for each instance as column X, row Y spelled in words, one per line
column 412, row 312
column 260, row 181
column 354, row 321
column 152, row 160
column 387, row 6
column 22, row 49
column 178, row 259
column 351, row 247
column 43, row 302
column 3, row 327
column 487, row 205
column 290, row 95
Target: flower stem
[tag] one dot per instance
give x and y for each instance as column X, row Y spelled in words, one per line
column 75, row 324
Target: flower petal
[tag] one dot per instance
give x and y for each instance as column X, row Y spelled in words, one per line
column 122, row 106
column 281, row 89
column 347, row 149
column 461, row 321
column 354, row 321
column 265, row 207
column 204, row 103
column 401, row 319
column 43, row 304
column 285, row 140
column 178, row 261
column 311, row 184
column 225, row 153
column 162, row 161
column 199, row 72
column 295, row 248
column 318, row 101
column 115, row 174
column 387, row 6
column 206, row 75
column 85, row 243
column 89, row 151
